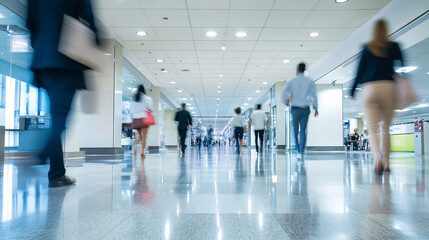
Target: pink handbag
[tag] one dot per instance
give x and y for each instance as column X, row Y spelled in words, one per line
column 149, row 120
column 405, row 92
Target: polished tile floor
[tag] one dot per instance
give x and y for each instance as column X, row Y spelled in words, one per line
column 218, row 195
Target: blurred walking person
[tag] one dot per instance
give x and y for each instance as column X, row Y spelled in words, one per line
column 300, row 93
column 239, row 127
column 376, row 74
column 59, row 75
column 140, row 106
column 184, row 120
column 258, row 120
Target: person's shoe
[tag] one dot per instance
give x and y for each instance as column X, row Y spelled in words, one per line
column 62, row 181
column 299, row 156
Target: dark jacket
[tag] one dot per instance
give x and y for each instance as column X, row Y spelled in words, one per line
column 44, row 20
column 184, row 119
column 374, row 68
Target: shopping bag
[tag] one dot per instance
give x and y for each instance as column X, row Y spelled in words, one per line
column 405, row 92
column 149, row 120
column 78, row 42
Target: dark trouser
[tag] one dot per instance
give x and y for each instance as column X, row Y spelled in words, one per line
column 61, row 86
column 259, row 133
column 300, row 120
column 182, row 135
column 238, row 133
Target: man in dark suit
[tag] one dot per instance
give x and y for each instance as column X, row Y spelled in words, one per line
column 59, row 75
column 184, row 120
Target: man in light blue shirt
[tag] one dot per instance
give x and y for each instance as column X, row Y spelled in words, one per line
column 300, row 93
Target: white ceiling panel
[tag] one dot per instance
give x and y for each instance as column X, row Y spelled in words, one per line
column 358, row 18
column 179, row 45
column 129, row 33
column 162, row 4
column 153, row 54
column 296, row 5
column 252, row 34
column 330, row 19
column 210, row 54
column 209, row 18
column 200, row 34
column 251, row 4
column 115, row 4
column 275, row 34
column 123, row 17
column 145, row 45
column 247, row 18
column 170, row 34
column 208, row 4
column 229, row 45
column 185, row 54
column 237, row 54
column 270, row 45
column 176, row 18
column 291, row 19
column 340, row 34
column 361, row 4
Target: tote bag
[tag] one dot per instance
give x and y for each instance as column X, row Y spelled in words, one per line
column 149, row 120
column 405, row 92
column 77, row 42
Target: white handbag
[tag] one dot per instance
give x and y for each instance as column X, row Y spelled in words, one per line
column 405, row 92
column 78, row 42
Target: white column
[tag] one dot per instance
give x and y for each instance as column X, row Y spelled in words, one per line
column 170, row 129
column 281, row 119
column 327, row 129
column 153, row 136
column 101, row 115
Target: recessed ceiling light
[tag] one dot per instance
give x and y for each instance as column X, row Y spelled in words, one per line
column 314, row 34
column 220, row 82
column 218, row 99
column 188, row 104
column 265, row 83
column 241, row 34
column 346, row 96
column 258, row 91
column 141, row 33
column 164, row 70
column 285, row 61
column 179, row 91
column 211, row 34
column 218, row 91
column 406, row 69
column 107, row 54
column 193, row 112
column 191, row 108
column 249, row 98
column 341, row 1
column 173, row 82
column 159, row 60
column 246, row 104
column 221, row 75
column 223, row 48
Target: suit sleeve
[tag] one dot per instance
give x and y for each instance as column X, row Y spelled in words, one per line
column 360, row 72
column 189, row 119
column 30, row 17
column 87, row 13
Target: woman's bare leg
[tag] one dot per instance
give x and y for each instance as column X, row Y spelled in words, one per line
column 143, row 139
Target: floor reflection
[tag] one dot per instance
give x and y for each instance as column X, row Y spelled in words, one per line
column 216, row 194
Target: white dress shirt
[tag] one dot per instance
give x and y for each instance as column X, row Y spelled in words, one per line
column 258, row 120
